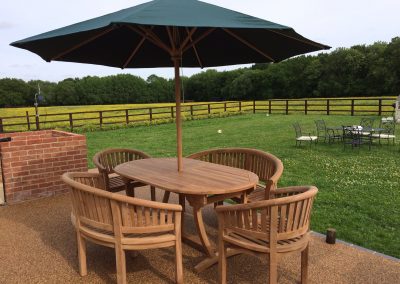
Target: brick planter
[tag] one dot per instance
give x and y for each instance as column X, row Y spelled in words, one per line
column 34, row 161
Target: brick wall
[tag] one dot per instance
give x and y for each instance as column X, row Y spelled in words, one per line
column 34, row 161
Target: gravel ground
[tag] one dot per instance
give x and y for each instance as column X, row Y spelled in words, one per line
column 37, row 244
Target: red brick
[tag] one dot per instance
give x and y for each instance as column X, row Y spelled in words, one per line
column 19, row 153
column 19, row 164
column 34, row 170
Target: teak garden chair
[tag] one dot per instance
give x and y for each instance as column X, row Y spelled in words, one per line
column 269, row 227
column 267, row 166
column 121, row 222
column 108, row 159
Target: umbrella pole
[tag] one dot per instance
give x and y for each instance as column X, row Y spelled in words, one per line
column 178, row 113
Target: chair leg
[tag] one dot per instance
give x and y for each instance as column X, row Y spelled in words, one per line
column 273, row 268
column 166, row 196
column 130, row 190
column 153, row 193
column 304, row 265
column 218, row 203
column 121, row 264
column 178, row 262
column 221, row 262
column 81, row 243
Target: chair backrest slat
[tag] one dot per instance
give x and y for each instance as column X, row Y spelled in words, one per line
column 286, row 217
column 263, row 164
column 100, row 209
column 95, row 210
column 108, row 159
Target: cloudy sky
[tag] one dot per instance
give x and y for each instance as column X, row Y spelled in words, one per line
column 339, row 23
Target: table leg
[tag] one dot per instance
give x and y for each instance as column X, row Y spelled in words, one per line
column 198, row 219
column 210, row 261
column 198, row 202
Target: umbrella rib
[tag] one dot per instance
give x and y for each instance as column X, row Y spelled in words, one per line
column 134, row 52
column 171, row 41
column 149, row 35
column 248, row 44
column 189, row 38
column 316, row 44
column 82, row 43
column 199, row 39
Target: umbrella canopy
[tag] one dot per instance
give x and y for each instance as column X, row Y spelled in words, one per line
column 174, row 33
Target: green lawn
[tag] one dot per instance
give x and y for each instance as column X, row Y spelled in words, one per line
column 359, row 190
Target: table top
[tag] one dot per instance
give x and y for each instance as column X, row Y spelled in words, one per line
column 196, row 178
column 363, row 129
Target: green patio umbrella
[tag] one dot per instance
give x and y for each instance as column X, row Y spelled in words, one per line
column 171, row 33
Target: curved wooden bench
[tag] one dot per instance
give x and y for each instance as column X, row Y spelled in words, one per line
column 267, row 166
column 121, row 222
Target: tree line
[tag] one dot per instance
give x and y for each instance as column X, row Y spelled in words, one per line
column 362, row 70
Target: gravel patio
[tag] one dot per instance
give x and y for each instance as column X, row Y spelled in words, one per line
column 38, row 245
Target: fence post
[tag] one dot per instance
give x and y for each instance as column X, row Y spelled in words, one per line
column 240, row 105
column 28, row 122
column 352, row 107
column 209, row 109
column 254, row 106
column 1, row 125
column 224, row 106
column 101, row 118
column 269, row 106
column 191, row 111
column 151, row 114
column 37, row 122
column 327, row 107
column 127, row 116
column 305, row 106
column 380, row 107
column 287, row 107
column 172, row 112
column 71, row 122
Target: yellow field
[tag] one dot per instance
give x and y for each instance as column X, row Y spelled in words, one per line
column 94, row 116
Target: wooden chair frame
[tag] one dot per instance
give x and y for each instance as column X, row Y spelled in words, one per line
column 121, row 222
column 270, row 227
column 106, row 160
column 267, row 166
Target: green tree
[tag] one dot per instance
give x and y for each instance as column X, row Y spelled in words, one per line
column 15, row 92
column 65, row 92
column 160, row 89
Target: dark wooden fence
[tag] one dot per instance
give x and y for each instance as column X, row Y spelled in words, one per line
column 101, row 118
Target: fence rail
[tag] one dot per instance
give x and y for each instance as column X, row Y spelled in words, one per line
column 101, row 118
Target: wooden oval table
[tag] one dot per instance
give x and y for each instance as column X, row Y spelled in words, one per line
column 195, row 182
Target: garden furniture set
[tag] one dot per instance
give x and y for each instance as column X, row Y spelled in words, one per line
column 268, row 220
column 354, row 135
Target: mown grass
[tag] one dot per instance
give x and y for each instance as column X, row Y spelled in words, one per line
column 359, row 190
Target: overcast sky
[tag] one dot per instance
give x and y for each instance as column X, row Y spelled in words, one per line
column 339, row 23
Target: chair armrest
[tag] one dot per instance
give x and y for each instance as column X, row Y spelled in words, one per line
column 145, row 203
column 245, row 206
column 286, row 191
column 97, row 163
